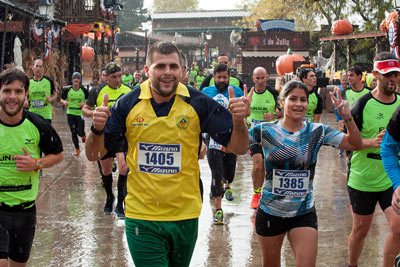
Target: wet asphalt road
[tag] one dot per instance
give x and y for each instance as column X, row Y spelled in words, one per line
column 73, row 231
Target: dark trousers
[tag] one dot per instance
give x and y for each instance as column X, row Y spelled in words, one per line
column 77, row 126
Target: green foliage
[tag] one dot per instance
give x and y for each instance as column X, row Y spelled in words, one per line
column 132, row 15
column 372, row 12
column 175, row 5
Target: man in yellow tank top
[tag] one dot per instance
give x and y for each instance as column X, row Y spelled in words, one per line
column 162, row 122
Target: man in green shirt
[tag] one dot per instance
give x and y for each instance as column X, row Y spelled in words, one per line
column 136, row 77
column 315, row 104
column 26, row 136
column 41, row 92
column 127, row 77
column 114, row 89
column 199, row 78
column 263, row 107
column 368, row 182
column 74, row 98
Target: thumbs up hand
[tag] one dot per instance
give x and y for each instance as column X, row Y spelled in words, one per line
column 101, row 114
column 24, row 163
column 239, row 107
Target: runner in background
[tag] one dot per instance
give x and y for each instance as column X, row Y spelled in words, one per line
column 221, row 160
column 114, row 89
column 74, row 98
column 264, row 107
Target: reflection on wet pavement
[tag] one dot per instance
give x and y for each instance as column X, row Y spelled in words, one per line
column 73, row 231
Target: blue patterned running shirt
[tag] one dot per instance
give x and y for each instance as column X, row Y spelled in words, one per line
column 290, row 159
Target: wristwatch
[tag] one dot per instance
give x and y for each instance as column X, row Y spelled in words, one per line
column 38, row 165
column 96, row 132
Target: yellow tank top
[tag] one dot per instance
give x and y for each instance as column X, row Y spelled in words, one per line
column 163, row 182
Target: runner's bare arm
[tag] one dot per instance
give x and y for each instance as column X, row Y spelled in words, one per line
column 94, row 145
column 396, row 200
column 352, row 140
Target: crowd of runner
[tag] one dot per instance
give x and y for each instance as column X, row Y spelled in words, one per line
column 157, row 123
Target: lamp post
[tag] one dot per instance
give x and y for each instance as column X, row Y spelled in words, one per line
column 208, row 36
column 146, row 26
column 44, row 10
column 116, row 11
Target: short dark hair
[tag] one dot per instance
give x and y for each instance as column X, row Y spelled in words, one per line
column 14, row 74
column 384, row 55
column 220, row 68
column 290, row 86
column 356, row 69
column 163, row 48
column 303, row 72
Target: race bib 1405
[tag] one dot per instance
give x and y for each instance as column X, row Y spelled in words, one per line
column 159, row 158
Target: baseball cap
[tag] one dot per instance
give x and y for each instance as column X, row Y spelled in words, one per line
column 112, row 67
column 76, row 75
column 386, row 66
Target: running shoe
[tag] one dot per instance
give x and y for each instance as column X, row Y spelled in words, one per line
column 397, row 261
column 83, row 139
column 228, row 194
column 255, row 200
column 77, row 152
column 119, row 211
column 219, row 217
column 108, row 207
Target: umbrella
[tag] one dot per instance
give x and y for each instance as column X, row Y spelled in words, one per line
column 18, row 53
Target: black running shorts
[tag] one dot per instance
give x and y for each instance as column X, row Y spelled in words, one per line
column 268, row 225
column 363, row 203
column 17, row 230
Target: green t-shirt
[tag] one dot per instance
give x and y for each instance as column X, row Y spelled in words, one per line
column 127, row 79
column 74, row 98
column 314, row 106
column 199, row 79
column 34, row 134
column 192, row 74
column 96, row 94
column 232, row 80
column 262, row 103
column 38, row 90
column 352, row 96
column 366, row 170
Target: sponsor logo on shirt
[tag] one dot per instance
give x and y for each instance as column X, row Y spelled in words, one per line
column 29, row 141
column 139, row 122
column 182, row 122
column 379, row 116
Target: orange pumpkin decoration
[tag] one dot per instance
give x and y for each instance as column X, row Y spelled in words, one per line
column 341, row 27
column 284, row 63
column 87, row 54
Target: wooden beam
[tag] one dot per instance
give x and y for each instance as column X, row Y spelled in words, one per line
column 353, row 36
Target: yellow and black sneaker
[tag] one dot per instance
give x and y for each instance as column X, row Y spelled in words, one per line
column 219, row 217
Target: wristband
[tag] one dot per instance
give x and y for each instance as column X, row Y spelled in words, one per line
column 348, row 120
column 38, row 165
column 96, row 132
